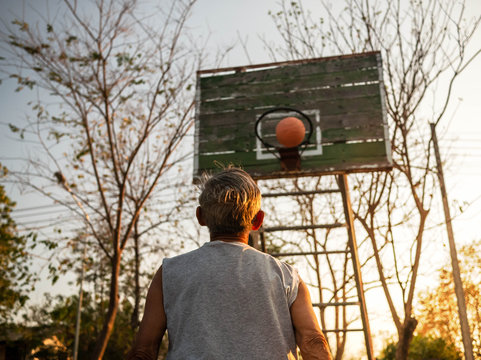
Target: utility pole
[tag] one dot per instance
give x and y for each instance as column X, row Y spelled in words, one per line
column 79, row 307
column 62, row 181
column 458, row 285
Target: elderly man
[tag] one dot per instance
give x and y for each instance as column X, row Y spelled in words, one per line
column 227, row 300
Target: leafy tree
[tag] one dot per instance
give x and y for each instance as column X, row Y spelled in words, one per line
column 124, row 82
column 422, row 43
column 438, row 311
column 423, row 348
column 56, row 318
column 16, row 280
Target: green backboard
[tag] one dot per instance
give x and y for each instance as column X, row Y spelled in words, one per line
column 343, row 96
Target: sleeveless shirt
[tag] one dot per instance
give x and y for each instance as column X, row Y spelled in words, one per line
column 227, row 300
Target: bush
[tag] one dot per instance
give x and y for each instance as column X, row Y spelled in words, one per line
column 424, row 348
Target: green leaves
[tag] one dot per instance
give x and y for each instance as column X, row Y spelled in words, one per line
column 13, row 128
column 83, row 152
column 53, row 273
column 123, row 58
column 49, row 244
column 16, row 280
column 23, row 81
column 16, row 129
column 137, row 81
column 56, row 135
column 22, row 25
column 425, row 347
column 53, row 76
column 70, row 39
column 95, row 55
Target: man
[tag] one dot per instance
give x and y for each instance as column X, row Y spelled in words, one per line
column 227, row 300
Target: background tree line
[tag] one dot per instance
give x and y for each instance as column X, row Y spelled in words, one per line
column 114, row 147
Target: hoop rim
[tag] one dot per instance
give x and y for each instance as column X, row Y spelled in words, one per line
column 270, row 111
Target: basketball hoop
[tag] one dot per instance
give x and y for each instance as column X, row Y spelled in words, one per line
column 290, row 157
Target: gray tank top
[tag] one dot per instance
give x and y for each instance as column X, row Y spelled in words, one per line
column 229, row 301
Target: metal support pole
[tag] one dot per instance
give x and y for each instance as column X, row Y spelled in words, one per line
column 263, row 240
column 458, row 285
column 254, row 239
column 343, row 185
column 300, row 193
column 303, row 227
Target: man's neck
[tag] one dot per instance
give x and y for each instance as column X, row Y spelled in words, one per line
column 242, row 237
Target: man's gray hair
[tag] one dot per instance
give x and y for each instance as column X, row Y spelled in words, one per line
column 229, row 201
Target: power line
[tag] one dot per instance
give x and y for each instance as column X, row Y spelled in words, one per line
column 466, row 155
column 57, row 221
column 36, row 207
column 461, row 139
column 38, row 214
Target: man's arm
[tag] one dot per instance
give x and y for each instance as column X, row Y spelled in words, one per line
column 153, row 325
column 309, row 337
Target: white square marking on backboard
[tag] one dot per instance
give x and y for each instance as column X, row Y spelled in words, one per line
column 263, row 154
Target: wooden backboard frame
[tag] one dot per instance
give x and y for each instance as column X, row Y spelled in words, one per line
column 344, row 95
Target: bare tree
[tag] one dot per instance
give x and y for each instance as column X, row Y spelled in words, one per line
column 122, row 83
column 422, row 43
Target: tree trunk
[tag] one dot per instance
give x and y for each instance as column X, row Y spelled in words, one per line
column 104, row 336
column 405, row 338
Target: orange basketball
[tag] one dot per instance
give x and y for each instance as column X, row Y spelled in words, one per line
column 290, row 131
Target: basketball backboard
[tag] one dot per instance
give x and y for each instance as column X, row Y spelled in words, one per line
column 343, row 96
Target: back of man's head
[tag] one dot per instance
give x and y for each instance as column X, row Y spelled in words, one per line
column 229, row 201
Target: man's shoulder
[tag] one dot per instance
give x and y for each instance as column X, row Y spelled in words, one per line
column 217, row 249
column 183, row 257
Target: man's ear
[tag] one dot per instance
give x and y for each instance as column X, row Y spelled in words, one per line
column 198, row 215
column 257, row 222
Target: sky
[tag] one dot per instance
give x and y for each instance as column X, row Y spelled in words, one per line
column 225, row 22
